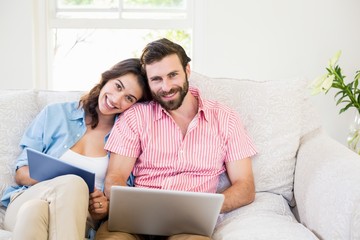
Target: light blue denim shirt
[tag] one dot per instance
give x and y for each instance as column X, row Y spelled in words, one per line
column 54, row 130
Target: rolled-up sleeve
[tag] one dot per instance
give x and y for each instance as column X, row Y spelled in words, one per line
column 239, row 144
column 124, row 137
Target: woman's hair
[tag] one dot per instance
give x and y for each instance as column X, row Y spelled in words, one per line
column 157, row 50
column 89, row 101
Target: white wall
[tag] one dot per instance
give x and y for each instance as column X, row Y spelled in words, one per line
column 281, row 39
column 258, row 39
column 16, row 44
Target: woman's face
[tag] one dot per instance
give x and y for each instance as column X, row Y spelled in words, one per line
column 119, row 94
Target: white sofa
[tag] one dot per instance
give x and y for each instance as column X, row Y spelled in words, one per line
column 308, row 185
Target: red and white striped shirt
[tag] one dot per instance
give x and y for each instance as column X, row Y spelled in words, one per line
column 166, row 160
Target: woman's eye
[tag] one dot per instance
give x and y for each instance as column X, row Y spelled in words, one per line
column 118, row 86
column 129, row 99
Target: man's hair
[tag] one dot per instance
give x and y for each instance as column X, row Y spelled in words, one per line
column 155, row 51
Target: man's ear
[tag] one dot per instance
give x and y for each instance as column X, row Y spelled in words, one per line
column 188, row 70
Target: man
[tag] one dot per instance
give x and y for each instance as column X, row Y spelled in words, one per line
column 179, row 141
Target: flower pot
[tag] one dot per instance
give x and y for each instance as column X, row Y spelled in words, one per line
column 353, row 139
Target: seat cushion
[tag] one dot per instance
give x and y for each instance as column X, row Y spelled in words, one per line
column 5, row 235
column 263, row 227
column 267, row 218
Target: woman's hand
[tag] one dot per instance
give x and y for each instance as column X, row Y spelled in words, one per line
column 98, row 205
column 22, row 177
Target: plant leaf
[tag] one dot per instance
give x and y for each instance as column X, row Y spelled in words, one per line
column 340, row 100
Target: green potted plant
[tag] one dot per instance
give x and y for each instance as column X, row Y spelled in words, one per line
column 348, row 95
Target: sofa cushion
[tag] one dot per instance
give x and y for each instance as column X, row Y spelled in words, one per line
column 5, row 235
column 47, row 96
column 2, row 215
column 275, row 114
column 261, row 220
column 17, row 109
column 269, row 227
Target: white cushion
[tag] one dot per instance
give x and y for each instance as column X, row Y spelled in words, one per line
column 5, row 235
column 2, row 215
column 47, row 96
column 273, row 114
column 262, row 220
column 17, row 109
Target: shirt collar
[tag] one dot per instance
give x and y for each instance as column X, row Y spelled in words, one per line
column 77, row 112
column 160, row 111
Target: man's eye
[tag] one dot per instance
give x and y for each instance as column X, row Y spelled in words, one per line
column 155, row 79
column 173, row 74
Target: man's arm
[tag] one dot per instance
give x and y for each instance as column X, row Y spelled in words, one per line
column 242, row 189
column 119, row 169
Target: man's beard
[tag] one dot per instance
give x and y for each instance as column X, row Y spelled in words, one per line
column 172, row 104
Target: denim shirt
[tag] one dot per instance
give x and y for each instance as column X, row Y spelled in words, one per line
column 54, row 130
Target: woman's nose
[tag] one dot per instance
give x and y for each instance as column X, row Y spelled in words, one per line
column 118, row 98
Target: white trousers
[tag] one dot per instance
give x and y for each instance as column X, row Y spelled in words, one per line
column 56, row 209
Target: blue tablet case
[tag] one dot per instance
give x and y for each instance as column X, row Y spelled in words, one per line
column 44, row 167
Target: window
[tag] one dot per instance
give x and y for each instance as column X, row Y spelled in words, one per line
column 87, row 37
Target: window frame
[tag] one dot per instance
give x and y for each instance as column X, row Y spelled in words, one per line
column 45, row 21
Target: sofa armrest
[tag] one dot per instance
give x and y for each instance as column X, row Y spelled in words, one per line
column 327, row 188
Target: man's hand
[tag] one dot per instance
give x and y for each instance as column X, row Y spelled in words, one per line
column 119, row 170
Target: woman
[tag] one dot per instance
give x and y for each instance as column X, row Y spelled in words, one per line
column 75, row 132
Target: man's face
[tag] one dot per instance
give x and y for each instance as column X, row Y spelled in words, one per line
column 168, row 81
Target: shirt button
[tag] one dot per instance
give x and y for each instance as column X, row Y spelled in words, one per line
column 78, row 135
column 81, row 124
column 65, row 146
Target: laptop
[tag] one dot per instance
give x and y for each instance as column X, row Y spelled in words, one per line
column 44, row 167
column 163, row 212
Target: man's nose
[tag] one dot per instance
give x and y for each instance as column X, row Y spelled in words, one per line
column 166, row 85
